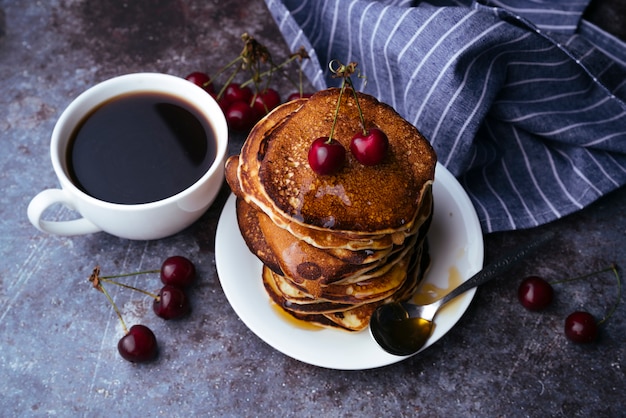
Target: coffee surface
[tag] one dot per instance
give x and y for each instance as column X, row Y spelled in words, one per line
column 140, row 148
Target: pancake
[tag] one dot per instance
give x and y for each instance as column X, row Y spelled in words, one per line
column 315, row 237
column 360, row 200
column 346, row 317
column 364, row 291
column 301, row 262
column 253, row 236
column 334, row 247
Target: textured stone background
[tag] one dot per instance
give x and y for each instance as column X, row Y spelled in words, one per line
column 58, row 335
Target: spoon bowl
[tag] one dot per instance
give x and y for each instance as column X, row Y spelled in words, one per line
column 403, row 329
column 399, row 333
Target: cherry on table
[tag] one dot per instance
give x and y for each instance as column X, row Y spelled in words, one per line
column 326, row 156
column 297, row 95
column 201, row 79
column 266, row 101
column 235, row 93
column 370, row 148
column 581, row 327
column 171, row 303
column 534, row 293
column 139, row 345
column 223, row 103
column 240, row 116
column 178, row 271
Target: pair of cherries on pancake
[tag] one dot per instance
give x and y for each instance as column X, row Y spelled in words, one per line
column 369, row 146
column 327, row 155
column 139, row 344
column 536, row 294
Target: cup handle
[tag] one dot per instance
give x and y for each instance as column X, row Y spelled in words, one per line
column 49, row 197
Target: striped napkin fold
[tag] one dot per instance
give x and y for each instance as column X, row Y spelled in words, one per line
column 524, row 101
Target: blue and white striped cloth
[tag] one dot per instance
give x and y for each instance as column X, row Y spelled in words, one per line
column 523, row 100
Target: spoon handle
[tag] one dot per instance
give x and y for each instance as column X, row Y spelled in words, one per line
column 496, row 268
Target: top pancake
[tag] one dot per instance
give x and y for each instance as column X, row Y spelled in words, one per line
column 365, row 200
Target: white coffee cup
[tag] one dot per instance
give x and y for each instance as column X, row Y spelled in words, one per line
column 145, row 221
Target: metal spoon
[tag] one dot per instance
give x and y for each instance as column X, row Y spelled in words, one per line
column 403, row 328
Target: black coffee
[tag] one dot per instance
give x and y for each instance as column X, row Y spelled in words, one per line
column 140, row 148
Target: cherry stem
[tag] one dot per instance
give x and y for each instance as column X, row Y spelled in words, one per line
column 252, row 56
column 117, row 311
column 584, row 276
column 130, row 274
column 332, row 127
column 358, row 106
column 613, row 268
column 619, row 294
column 345, row 71
column 270, row 71
column 115, row 282
column 228, row 81
column 227, row 66
column 300, row 89
column 224, row 68
column 300, row 54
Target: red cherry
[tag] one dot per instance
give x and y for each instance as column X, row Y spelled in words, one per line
column 202, row 80
column 240, row 116
column 171, row 303
column 581, row 327
column 534, row 293
column 178, row 271
column 235, row 93
column 370, row 148
column 326, row 156
column 223, row 103
column 265, row 101
column 296, row 95
column 139, row 345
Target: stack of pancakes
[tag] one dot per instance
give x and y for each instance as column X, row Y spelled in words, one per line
column 334, row 247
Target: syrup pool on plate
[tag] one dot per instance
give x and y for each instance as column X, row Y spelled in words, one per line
column 428, row 292
column 299, row 323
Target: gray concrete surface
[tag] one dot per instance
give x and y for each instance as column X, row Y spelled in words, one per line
column 58, row 335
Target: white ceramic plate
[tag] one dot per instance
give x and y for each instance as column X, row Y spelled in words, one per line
column 456, row 248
